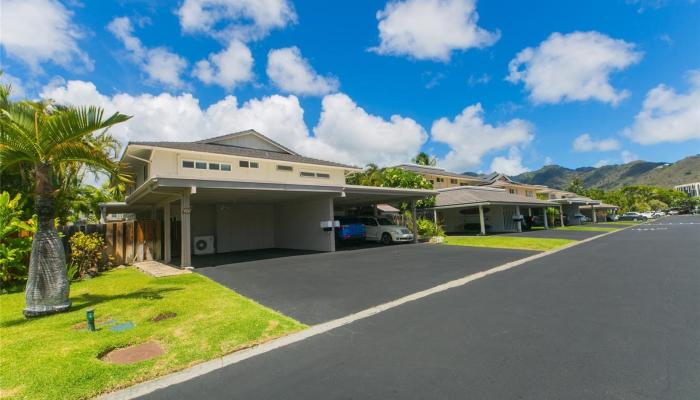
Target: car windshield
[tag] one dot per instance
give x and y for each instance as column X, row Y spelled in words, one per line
column 384, row 221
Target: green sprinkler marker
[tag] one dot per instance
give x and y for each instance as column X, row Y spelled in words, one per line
column 90, row 316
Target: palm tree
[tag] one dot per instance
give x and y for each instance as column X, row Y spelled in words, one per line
column 48, row 138
column 424, row 159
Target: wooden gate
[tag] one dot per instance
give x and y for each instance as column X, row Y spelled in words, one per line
column 130, row 241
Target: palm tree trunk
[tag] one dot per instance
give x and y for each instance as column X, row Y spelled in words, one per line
column 47, row 284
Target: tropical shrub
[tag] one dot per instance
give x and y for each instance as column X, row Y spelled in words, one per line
column 15, row 242
column 85, row 255
column 427, row 227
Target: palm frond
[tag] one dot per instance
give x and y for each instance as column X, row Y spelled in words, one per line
column 77, row 123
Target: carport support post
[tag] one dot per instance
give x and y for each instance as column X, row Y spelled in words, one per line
column 561, row 215
column 519, row 225
column 482, row 224
column 595, row 218
column 435, row 217
column 185, row 251
column 167, row 251
column 415, row 221
column 546, row 223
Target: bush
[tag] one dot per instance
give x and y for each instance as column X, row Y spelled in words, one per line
column 15, row 242
column 427, row 227
column 85, row 255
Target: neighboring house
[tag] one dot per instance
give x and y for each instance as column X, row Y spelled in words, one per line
column 440, row 178
column 571, row 204
column 486, row 209
column 691, row 189
column 242, row 191
column 498, row 180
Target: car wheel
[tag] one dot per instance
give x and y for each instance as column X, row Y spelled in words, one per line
column 386, row 238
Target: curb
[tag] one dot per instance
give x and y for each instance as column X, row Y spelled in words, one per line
column 147, row 387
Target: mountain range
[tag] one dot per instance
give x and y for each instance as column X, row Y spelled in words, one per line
column 615, row 176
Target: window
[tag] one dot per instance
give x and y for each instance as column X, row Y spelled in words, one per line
column 248, row 164
column 225, row 167
column 453, row 181
column 214, row 166
column 512, row 191
column 200, row 165
column 440, row 179
column 307, row 174
column 188, row 164
column 320, row 175
column 431, row 181
column 285, row 168
column 528, row 193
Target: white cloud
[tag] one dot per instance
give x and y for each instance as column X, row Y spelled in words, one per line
column 548, row 160
column 585, row 143
column 511, row 165
column 292, row 73
column 601, row 163
column 235, row 19
column 39, row 31
column 479, row 80
column 430, row 29
column 345, row 132
column 470, row 138
column 667, row 116
column 228, row 68
column 628, row 156
column 159, row 64
column 573, row 67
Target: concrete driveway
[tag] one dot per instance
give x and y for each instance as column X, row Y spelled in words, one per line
column 315, row 288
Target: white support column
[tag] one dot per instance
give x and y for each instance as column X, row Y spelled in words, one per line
column 481, row 221
column 415, row 221
column 185, row 247
column 529, row 212
column 435, row 217
column 561, row 216
column 519, row 224
column 595, row 218
column 167, row 247
column 546, row 223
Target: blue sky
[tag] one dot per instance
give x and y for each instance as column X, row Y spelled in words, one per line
column 488, row 85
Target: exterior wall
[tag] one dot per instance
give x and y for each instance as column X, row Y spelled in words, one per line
column 445, row 181
column 169, row 163
column 243, row 227
column 691, row 189
column 203, row 217
column 297, row 225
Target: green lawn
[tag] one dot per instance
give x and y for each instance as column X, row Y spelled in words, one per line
column 54, row 357
column 588, row 228
column 507, row 242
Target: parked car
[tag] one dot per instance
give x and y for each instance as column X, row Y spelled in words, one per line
column 350, row 229
column 633, row 216
column 673, row 212
column 384, row 231
column 657, row 214
column 612, row 217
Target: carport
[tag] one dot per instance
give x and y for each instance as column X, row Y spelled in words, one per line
column 598, row 211
column 571, row 206
column 234, row 216
column 468, row 208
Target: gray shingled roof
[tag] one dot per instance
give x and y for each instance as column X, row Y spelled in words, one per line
column 241, row 152
column 435, row 171
column 466, row 195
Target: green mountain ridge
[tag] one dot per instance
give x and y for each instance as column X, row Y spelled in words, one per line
column 610, row 177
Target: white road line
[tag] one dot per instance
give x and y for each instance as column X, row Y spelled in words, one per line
column 144, row 388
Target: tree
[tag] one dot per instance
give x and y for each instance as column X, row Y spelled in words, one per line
column 48, row 138
column 393, row 177
column 424, row 159
column 576, row 186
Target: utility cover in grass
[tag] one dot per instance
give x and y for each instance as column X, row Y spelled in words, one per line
column 134, row 354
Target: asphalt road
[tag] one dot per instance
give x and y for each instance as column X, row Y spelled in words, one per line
column 614, row 318
column 315, row 288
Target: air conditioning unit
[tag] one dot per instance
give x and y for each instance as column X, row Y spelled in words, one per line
column 203, row 245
